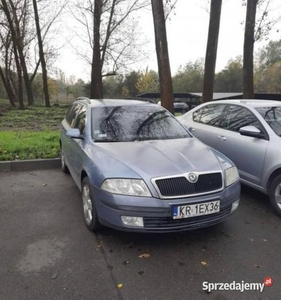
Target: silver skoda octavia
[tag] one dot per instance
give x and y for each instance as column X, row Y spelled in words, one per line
column 139, row 169
column 249, row 133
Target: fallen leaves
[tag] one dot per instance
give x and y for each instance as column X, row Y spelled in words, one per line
column 203, row 263
column 54, row 276
column 119, row 285
column 145, row 255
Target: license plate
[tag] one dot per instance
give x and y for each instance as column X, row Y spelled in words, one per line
column 193, row 210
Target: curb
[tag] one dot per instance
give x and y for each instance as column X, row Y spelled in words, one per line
column 28, row 165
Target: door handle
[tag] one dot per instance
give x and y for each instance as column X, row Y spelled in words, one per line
column 221, row 137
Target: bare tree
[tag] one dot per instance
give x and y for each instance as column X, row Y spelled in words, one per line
column 110, row 29
column 257, row 27
column 96, row 77
column 248, row 60
column 47, row 23
column 6, row 57
column 11, row 47
column 211, row 52
column 41, row 55
column 17, row 32
column 166, row 86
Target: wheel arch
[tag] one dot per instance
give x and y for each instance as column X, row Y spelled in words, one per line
column 83, row 175
column 272, row 176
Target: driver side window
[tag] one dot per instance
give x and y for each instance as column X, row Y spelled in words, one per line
column 238, row 117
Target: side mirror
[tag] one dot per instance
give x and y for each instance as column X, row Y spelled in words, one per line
column 74, row 133
column 250, row 131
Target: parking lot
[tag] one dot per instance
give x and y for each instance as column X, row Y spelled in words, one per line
column 48, row 253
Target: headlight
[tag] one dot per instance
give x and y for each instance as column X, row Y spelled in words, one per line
column 231, row 176
column 133, row 187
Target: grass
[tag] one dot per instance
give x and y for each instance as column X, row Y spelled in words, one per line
column 29, row 145
column 31, row 133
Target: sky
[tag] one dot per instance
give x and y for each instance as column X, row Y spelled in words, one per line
column 187, row 32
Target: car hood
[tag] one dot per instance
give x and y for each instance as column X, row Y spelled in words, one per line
column 164, row 157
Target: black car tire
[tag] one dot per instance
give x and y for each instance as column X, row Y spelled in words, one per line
column 64, row 167
column 88, row 204
column 274, row 192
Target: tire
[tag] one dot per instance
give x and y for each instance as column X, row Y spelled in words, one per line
column 275, row 194
column 64, row 167
column 89, row 209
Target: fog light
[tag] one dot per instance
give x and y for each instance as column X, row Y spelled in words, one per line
column 235, row 205
column 132, row 221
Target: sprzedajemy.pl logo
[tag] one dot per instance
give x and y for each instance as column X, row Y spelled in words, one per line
column 237, row 286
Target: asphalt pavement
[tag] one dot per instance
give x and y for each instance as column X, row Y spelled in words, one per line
column 46, row 252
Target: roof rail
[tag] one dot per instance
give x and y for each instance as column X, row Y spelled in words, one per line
column 139, row 98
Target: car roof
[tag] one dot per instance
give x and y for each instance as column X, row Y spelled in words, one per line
column 250, row 102
column 112, row 102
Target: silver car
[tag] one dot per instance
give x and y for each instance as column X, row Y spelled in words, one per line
column 139, row 169
column 248, row 132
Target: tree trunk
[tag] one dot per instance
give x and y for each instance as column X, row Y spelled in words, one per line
column 211, row 52
column 248, row 61
column 8, row 88
column 20, row 86
column 42, row 56
column 166, row 86
column 96, row 77
column 18, row 44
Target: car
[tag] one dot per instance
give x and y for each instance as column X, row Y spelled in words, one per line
column 249, row 133
column 181, row 107
column 139, row 169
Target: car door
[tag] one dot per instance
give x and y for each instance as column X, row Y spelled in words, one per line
column 205, row 123
column 68, row 123
column 76, row 146
column 247, row 153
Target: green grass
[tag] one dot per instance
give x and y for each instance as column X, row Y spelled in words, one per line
column 29, row 145
column 35, row 118
column 30, row 133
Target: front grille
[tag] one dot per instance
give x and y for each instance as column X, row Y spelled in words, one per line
column 191, row 222
column 180, row 186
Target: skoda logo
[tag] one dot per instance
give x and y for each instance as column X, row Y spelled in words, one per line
column 192, row 177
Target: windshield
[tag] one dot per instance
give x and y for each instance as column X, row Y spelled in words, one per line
column 134, row 123
column 272, row 116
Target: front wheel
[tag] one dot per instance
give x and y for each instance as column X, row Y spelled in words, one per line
column 89, row 209
column 275, row 194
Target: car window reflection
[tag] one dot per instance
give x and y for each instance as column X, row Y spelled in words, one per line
column 130, row 123
column 272, row 116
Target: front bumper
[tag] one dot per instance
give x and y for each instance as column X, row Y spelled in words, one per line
column 157, row 213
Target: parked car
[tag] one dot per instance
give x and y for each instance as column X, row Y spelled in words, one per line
column 139, row 169
column 249, row 133
column 181, row 107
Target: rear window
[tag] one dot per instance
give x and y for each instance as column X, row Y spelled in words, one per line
column 209, row 115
